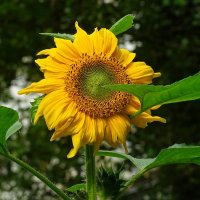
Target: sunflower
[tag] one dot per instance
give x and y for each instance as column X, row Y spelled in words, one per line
column 75, row 103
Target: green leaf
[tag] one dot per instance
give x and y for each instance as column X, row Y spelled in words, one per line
column 150, row 95
column 139, row 163
column 13, row 129
column 34, row 107
column 77, row 187
column 123, row 24
column 59, row 35
column 176, row 154
column 9, row 124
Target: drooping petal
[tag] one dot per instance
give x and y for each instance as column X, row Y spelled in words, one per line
column 140, row 73
column 52, row 68
column 144, row 118
column 56, row 54
column 101, row 126
column 44, row 86
column 68, row 122
column 119, row 126
column 52, row 106
column 90, row 130
column 77, row 141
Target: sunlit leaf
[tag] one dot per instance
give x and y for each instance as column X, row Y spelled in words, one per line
column 150, row 95
column 34, row 107
column 59, row 35
column 9, row 124
column 123, row 24
column 13, row 129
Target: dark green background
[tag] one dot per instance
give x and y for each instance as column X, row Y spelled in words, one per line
column 167, row 36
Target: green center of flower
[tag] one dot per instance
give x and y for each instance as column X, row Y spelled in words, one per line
column 93, row 79
column 84, row 81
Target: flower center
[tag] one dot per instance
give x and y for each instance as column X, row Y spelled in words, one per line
column 93, row 78
column 84, row 83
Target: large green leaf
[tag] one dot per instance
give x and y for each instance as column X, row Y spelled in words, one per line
column 9, row 124
column 176, row 154
column 59, row 35
column 123, row 24
column 150, row 95
column 34, row 107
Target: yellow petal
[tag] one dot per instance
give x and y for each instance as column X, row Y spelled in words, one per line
column 90, row 130
column 46, row 51
column 133, row 106
column 56, row 54
column 52, row 68
column 144, row 118
column 61, row 132
column 67, row 49
column 78, row 123
column 97, row 41
column 124, row 56
column 109, row 42
column 44, row 86
column 101, row 125
column 82, row 41
column 108, row 137
column 77, row 143
column 52, row 106
column 140, row 73
column 66, row 122
column 120, row 127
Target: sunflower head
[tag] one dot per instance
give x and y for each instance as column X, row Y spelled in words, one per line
column 76, row 103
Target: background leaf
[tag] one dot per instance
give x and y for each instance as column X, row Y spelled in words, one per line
column 150, row 95
column 59, row 35
column 122, row 25
column 9, row 124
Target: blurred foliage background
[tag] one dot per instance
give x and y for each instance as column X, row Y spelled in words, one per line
column 166, row 36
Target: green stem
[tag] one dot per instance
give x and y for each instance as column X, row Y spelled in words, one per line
column 90, row 172
column 44, row 179
column 4, row 149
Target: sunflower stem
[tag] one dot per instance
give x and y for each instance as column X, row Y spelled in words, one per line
column 40, row 176
column 90, row 172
